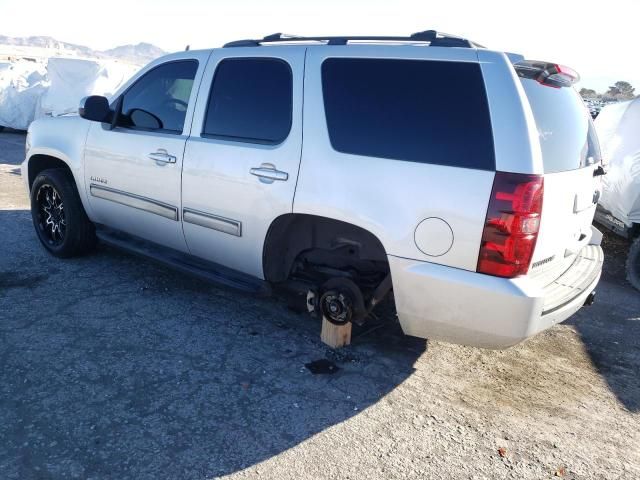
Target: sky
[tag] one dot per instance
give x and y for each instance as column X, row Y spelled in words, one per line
column 597, row 38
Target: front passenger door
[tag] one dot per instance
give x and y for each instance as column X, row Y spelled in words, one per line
column 133, row 171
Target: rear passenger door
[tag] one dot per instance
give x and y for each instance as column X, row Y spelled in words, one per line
column 241, row 161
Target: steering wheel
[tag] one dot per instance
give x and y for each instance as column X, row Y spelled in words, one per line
column 176, row 101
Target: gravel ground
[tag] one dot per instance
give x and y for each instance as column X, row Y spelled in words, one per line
column 115, row 368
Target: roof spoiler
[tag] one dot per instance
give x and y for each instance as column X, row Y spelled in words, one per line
column 546, row 73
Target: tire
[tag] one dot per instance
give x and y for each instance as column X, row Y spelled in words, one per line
column 59, row 218
column 633, row 264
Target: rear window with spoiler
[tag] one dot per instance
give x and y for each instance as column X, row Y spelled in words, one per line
column 567, row 136
column 422, row 111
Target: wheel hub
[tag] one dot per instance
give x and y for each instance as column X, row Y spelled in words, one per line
column 52, row 220
column 337, row 307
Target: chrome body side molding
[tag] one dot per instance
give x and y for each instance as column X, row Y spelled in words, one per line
column 135, row 201
column 214, row 222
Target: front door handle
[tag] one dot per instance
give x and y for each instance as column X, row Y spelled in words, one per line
column 162, row 157
column 267, row 173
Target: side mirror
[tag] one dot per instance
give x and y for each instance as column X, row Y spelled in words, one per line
column 95, row 108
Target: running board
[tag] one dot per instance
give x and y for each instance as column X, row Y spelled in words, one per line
column 202, row 269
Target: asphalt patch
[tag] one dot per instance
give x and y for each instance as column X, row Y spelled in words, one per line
column 17, row 280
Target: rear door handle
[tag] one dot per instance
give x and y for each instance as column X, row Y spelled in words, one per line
column 267, row 173
column 162, row 156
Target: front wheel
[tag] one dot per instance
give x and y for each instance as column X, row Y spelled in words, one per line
column 59, row 218
column 633, row 264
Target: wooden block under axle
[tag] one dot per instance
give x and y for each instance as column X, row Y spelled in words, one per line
column 335, row 336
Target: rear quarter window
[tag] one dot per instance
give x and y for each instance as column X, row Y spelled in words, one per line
column 413, row 110
column 567, row 137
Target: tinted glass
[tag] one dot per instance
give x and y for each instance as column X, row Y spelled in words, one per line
column 414, row 110
column 565, row 129
column 159, row 100
column 250, row 101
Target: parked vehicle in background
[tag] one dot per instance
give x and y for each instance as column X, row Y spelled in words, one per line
column 618, row 127
column 341, row 169
column 594, row 106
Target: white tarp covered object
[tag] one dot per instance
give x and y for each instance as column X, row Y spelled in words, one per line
column 29, row 90
column 72, row 79
column 618, row 127
column 22, row 83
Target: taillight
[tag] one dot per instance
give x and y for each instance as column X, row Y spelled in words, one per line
column 568, row 74
column 511, row 229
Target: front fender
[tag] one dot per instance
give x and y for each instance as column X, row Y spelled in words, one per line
column 62, row 138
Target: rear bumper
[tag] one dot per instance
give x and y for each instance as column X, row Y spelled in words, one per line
column 458, row 306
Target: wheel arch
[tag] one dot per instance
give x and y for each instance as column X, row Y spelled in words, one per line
column 293, row 233
column 40, row 162
column 41, row 159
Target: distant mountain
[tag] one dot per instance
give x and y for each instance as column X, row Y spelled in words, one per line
column 139, row 54
column 46, row 42
column 142, row 50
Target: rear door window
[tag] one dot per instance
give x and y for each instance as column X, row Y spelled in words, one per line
column 250, row 101
column 565, row 129
column 414, row 110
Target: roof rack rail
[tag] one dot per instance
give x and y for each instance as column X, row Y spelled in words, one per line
column 432, row 37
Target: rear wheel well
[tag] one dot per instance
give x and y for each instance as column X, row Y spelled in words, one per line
column 38, row 163
column 308, row 245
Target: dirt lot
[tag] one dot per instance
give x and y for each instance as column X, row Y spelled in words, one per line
column 114, row 368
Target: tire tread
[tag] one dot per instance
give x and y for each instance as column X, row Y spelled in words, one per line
column 633, row 264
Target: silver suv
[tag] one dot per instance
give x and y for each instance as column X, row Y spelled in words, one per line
column 462, row 179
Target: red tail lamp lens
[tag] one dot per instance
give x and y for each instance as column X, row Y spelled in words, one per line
column 512, row 225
